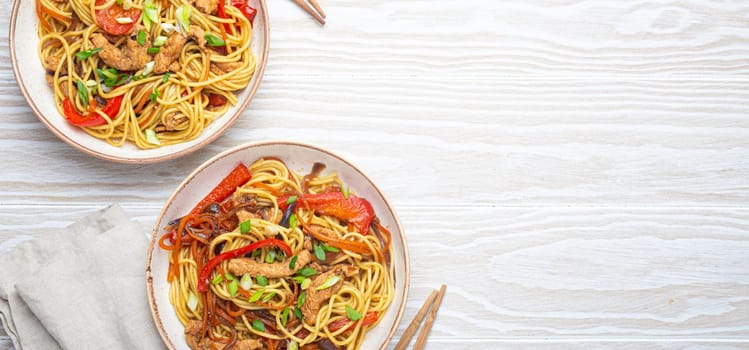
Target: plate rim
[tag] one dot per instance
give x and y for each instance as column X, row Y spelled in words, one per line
column 156, row 229
column 259, row 72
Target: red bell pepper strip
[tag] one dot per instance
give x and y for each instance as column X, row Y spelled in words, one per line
column 205, row 272
column 110, row 109
column 225, row 188
column 247, row 10
column 355, row 210
column 221, row 12
column 107, row 18
column 369, row 319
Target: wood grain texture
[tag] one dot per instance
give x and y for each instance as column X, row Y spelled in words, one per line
column 523, row 274
column 508, row 142
column 575, row 171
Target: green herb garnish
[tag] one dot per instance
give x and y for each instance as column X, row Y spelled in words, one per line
column 218, row 279
column 258, row 325
column 141, row 39
column 233, row 287
column 261, row 281
column 307, row 272
column 82, row 55
column 292, row 264
column 245, row 226
column 214, row 40
column 319, row 252
column 153, row 50
column 352, row 314
column 302, row 298
column 291, row 200
column 256, row 296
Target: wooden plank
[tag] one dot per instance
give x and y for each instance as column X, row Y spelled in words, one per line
column 475, row 38
column 507, row 142
column 517, row 274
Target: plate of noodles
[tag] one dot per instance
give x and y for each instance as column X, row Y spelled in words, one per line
column 277, row 245
column 138, row 80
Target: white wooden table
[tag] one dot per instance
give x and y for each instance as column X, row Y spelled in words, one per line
column 577, row 172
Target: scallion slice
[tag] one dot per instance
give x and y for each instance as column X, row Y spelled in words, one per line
column 292, row 263
column 291, row 200
column 307, row 272
column 141, row 38
column 151, row 137
column 246, row 281
column 258, row 325
column 329, row 283
column 261, row 281
column 218, row 279
column 256, row 296
column 233, row 288
column 82, row 55
column 352, row 314
column 82, row 92
column 245, row 226
column 302, row 298
column 319, row 252
column 214, row 40
column 192, row 301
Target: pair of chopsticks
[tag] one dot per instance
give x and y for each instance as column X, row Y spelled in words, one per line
column 315, row 10
column 421, row 340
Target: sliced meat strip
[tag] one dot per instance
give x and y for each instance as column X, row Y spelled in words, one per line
column 52, row 62
column 192, row 332
column 166, row 59
column 241, row 266
column 315, row 298
column 132, row 57
column 207, row 6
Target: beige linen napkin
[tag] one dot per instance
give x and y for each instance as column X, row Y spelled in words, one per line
column 80, row 288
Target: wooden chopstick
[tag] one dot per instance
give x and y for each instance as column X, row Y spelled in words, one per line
column 318, row 8
column 416, row 322
column 303, row 4
column 421, row 340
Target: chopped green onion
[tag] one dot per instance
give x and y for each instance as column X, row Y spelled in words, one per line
column 258, row 325
column 329, row 283
column 268, row 297
column 256, row 296
column 159, row 41
column 151, row 14
column 141, row 38
column 319, row 252
column 306, row 283
column 165, row 78
column 280, row 256
column 292, row 345
column 229, row 276
column 261, row 280
column 126, row 4
column 285, row 316
column 291, row 200
column 292, row 264
column 192, row 301
column 307, row 272
column 82, row 92
column 293, row 221
column 153, row 50
column 214, row 40
column 151, row 137
column 148, row 68
column 246, row 282
column 218, row 279
column 345, row 190
column 155, row 95
column 298, row 314
column 271, row 256
column 233, row 287
column 183, row 17
column 352, row 314
column 168, row 28
column 245, row 226
column 302, row 298
column 82, row 55
column 299, row 279
column 123, row 20
column 329, row 248
column 256, row 253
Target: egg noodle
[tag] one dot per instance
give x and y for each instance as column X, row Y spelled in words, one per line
column 148, row 106
column 335, row 284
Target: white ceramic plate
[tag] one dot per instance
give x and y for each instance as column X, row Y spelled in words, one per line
column 30, row 76
column 298, row 157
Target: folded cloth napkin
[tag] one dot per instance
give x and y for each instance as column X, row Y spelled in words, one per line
column 80, row 288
